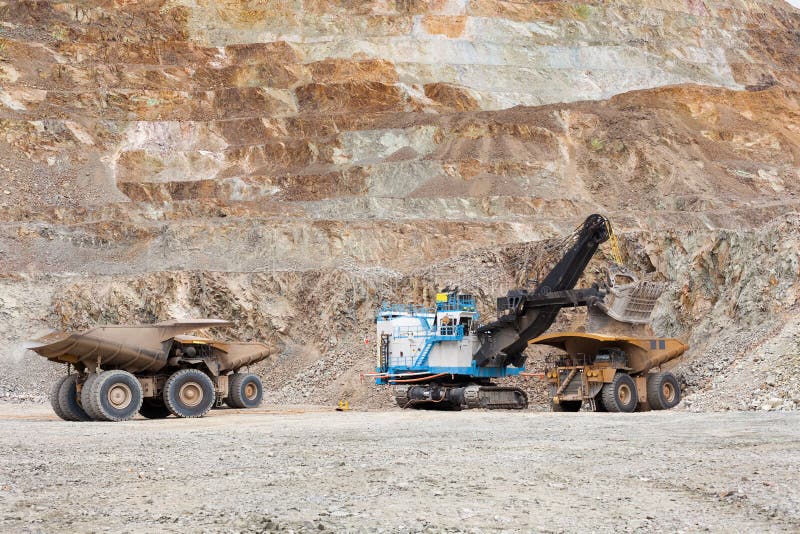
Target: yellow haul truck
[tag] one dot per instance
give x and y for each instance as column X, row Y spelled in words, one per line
column 612, row 373
column 155, row 370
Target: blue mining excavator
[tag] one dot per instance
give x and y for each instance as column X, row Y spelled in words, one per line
column 444, row 358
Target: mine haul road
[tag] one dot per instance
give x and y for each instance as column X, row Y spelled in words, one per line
column 313, row 469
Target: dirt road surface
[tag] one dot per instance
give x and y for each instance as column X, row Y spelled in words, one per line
column 309, row 469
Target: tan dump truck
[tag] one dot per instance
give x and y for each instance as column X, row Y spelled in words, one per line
column 155, row 370
column 612, row 373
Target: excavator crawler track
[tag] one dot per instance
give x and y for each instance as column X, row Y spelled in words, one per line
column 501, row 398
column 460, row 396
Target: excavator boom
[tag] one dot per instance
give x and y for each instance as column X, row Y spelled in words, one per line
column 524, row 315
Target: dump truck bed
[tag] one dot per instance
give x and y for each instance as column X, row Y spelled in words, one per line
column 142, row 348
column 644, row 353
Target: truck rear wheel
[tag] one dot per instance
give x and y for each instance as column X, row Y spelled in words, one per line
column 68, row 400
column 244, row 391
column 86, row 398
column 620, row 395
column 566, row 406
column 154, row 409
column 663, row 391
column 54, row 398
column 189, row 393
column 115, row 396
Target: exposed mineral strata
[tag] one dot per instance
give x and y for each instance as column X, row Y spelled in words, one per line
column 289, row 164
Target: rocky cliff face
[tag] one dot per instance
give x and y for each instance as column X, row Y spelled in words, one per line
column 289, row 165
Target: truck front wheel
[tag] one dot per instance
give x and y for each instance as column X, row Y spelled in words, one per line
column 663, row 391
column 244, row 391
column 189, row 393
column 620, row 395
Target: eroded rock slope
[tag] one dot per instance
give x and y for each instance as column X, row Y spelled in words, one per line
column 289, row 165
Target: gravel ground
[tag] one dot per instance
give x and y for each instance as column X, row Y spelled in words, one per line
column 307, row 468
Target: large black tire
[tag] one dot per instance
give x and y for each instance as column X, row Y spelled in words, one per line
column 154, row 409
column 86, row 398
column 115, row 396
column 189, row 393
column 54, row 402
column 244, row 391
column 620, row 395
column 663, row 391
column 598, row 403
column 68, row 400
column 566, row 406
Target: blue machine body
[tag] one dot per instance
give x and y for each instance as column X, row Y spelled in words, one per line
column 415, row 341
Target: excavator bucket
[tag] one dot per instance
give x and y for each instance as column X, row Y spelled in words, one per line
column 628, row 299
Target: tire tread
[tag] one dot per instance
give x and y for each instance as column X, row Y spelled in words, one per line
column 68, row 402
column 54, row 400
column 87, row 398
column 95, row 406
column 235, row 398
column 609, row 392
column 171, row 406
column 654, row 384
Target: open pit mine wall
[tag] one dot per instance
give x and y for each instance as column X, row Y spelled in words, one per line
column 288, row 165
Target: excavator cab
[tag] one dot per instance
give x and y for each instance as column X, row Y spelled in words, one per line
column 612, row 357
